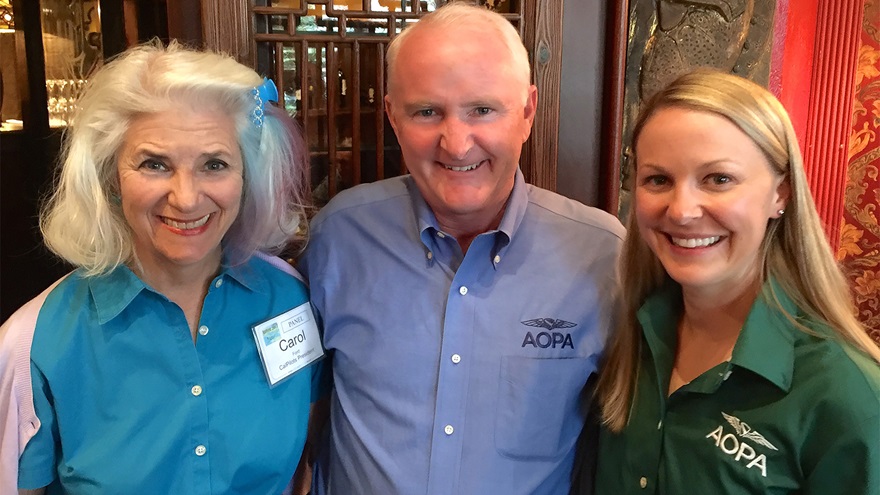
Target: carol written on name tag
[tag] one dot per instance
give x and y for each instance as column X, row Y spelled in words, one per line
column 288, row 343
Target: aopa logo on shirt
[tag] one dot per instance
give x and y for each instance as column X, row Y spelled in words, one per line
column 548, row 338
column 739, row 449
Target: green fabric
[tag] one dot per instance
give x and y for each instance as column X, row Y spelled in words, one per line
column 790, row 413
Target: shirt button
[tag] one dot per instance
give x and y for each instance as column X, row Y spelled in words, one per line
column 197, row 390
column 430, row 255
column 497, row 259
column 643, row 482
column 456, row 358
column 200, row 450
column 462, row 290
column 203, row 330
column 449, row 429
column 218, row 283
column 441, row 235
column 660, row 424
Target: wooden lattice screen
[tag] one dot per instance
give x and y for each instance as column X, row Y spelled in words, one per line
column 327, row 58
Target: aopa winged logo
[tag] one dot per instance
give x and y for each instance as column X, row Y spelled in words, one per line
column 549, row 323
column 744, row 430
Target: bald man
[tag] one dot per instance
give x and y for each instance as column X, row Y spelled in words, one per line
column 464, row 309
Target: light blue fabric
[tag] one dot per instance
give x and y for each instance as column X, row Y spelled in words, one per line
column 526, row 312
column 114, row 368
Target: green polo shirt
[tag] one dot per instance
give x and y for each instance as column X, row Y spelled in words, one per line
column 789, row 413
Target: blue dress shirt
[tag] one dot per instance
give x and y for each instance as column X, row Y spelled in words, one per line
column 458, row 374
column 129, row 404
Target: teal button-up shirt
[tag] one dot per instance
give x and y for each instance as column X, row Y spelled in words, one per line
column 789, row 413
column 129, row 404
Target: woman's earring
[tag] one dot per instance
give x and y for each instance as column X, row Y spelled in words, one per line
column 781, row 212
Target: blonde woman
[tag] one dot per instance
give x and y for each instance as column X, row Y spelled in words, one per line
column 738, row 366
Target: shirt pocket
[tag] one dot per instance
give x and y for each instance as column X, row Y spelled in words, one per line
column 539, row 413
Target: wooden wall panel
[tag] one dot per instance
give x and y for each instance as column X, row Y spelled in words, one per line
column 613, row 107
column 542, row 32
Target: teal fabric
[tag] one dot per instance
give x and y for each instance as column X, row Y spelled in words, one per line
column 114, row 366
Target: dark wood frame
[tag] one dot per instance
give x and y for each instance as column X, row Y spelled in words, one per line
column 612, row 109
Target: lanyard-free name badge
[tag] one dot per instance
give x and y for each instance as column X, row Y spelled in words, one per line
column 288, row 343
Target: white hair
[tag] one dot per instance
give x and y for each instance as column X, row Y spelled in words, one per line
column 461, row 15
column 82, row 221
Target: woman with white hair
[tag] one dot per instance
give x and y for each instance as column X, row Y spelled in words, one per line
column 154, row 366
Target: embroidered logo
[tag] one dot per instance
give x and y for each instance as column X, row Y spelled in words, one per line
column 548, row 338
column 738, row 447
column 744, row 430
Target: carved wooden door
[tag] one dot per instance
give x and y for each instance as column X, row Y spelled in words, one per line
column 327, row 58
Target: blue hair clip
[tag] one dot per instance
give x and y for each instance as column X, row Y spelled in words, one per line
column 263, row 93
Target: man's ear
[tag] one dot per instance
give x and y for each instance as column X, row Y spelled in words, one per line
column 389, row 111
column 529, row 111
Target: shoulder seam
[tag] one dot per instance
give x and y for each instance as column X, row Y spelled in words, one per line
column 360, row 204
column 586, row 222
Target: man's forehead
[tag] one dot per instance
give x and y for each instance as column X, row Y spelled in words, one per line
column 422, row 100
column 456, row 38
column 445, row 55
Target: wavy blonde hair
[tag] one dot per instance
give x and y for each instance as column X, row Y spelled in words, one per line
column 794, row 251
column 82, row 220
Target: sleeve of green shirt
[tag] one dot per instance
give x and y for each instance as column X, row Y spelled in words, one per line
column 851, row 464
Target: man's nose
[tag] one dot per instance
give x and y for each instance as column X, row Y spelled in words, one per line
column 456, row 139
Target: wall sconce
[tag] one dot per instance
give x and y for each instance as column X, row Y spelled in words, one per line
column 7, row 20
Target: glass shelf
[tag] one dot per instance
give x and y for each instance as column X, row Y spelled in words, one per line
column 72, row 50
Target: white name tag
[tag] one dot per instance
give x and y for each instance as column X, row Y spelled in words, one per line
column 288, row 343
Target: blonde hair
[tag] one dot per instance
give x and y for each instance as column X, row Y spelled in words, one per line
column 462, row 15
column 794, row 251
column 82, row 221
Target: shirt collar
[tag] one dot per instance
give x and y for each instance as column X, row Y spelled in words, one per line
column 245, row 275
column 658, row 317
column 516, row 206
column 113, row 292
column 424, row 215
column 765, row 345
column 514, row 211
